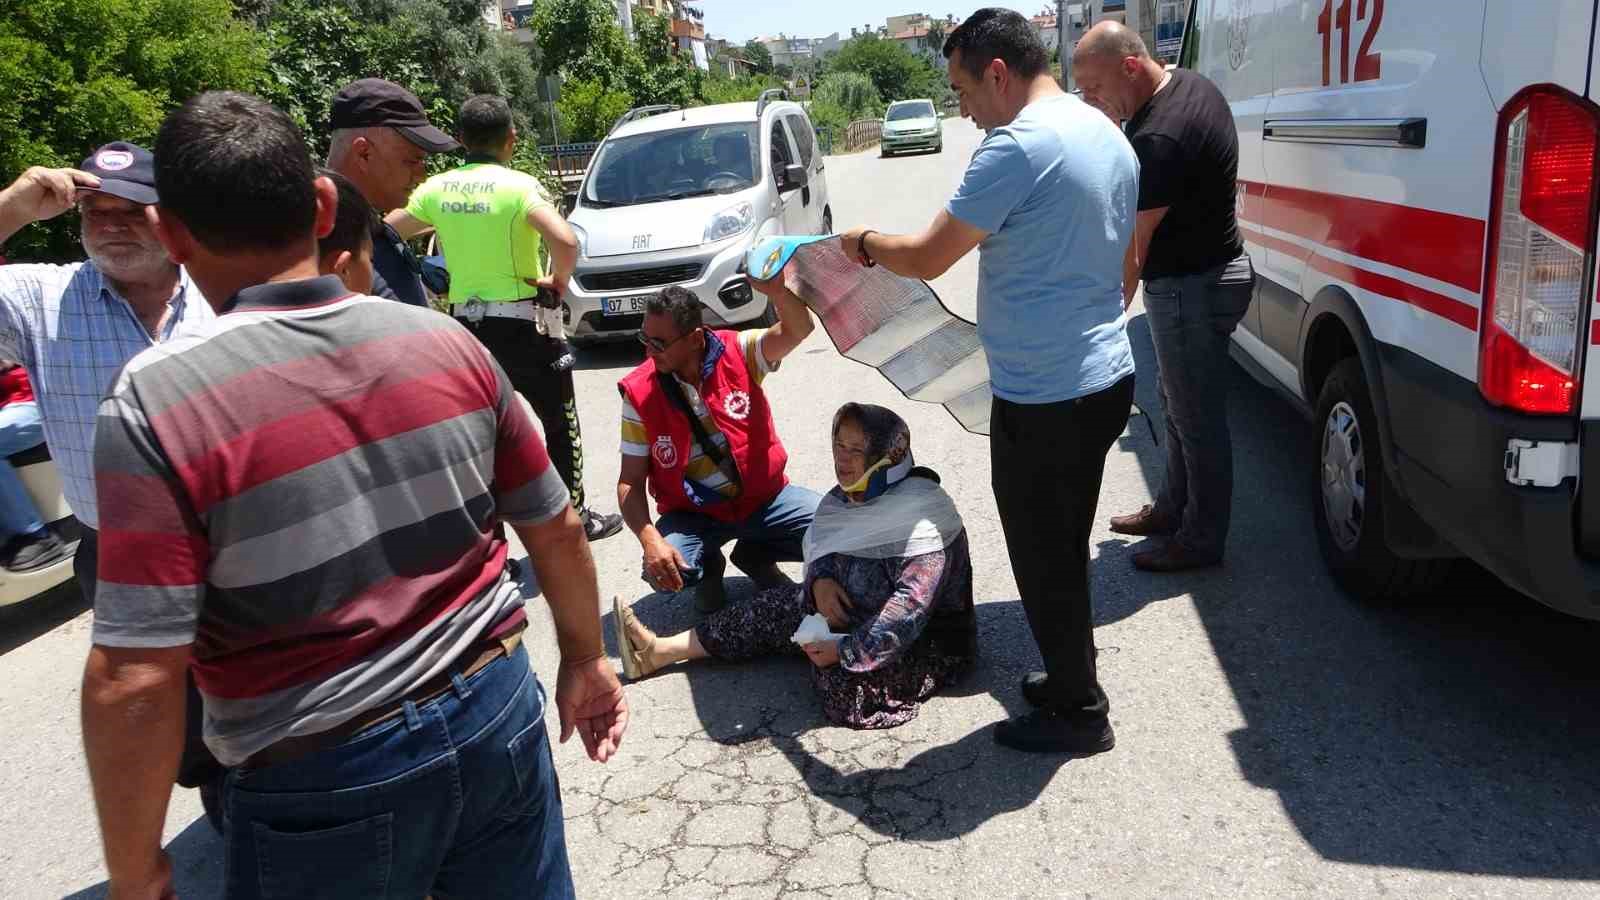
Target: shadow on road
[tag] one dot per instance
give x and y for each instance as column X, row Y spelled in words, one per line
column 1457, row 734
column 920, row 793
column 196, row 865
column 622, row 355
column 40, row 615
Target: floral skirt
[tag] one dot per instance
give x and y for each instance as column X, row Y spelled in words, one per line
column 883, row 698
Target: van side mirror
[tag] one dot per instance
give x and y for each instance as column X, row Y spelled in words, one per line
column 793, row 178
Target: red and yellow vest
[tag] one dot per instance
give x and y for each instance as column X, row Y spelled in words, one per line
column 740, row 410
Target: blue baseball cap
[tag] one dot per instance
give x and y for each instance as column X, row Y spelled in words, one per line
column 125, row 170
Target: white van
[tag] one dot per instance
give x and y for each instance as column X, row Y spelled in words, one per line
column 676, row 196
column 1417, row 189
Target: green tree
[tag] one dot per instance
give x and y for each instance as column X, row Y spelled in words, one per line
column 657, row 73
column 897, row 73
column 588, row 109
column 441, row 50
column 759, row 56
column 75, row 74
column 581, row 39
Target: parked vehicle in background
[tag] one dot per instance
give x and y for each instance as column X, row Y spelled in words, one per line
column 1417, row 188
column 911, row 125
column 676, row 196
column 39, row 476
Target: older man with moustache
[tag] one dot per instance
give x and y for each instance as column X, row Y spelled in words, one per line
column 73, row 327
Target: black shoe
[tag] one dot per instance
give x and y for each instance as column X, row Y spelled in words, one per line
column 768, row 576
column 1048, row 731
column 31, row 552
column 1034, row 689
column 710, row 595
column 600, row 527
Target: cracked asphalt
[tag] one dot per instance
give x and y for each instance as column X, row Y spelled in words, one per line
column 1274, row 738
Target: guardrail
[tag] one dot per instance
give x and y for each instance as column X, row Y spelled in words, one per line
column 857, row 136
column 569, row 161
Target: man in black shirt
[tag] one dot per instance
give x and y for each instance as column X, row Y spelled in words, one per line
column 1198, row 280
column 381, row 142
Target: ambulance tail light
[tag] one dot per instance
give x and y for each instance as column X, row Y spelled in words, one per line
column 1541, row 253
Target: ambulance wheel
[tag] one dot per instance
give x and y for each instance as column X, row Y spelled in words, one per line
column 1349, row 490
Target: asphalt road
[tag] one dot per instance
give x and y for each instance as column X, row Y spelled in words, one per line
column 1274, row 738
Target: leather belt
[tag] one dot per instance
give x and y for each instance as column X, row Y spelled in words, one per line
column 525, row 310
column 469, row 664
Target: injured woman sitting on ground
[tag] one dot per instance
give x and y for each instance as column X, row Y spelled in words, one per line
column 886, row 563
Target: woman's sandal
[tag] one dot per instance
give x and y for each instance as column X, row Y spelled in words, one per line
column 635, row 660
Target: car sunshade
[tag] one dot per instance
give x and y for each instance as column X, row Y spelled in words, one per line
column 894, row 324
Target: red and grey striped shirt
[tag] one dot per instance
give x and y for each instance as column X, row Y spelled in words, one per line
column 309, row 490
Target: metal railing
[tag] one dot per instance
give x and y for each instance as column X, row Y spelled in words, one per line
column 569, row 161
column 857, row 136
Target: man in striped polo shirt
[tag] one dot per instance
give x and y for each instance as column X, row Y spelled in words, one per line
column 306, row 504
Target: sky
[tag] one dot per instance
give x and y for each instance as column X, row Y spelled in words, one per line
column 741, row 20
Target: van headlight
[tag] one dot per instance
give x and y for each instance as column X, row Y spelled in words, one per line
column 733, row 221
column 583, row 238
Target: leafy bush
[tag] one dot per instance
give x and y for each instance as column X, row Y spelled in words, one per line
column 75, row 74
column 588, row 109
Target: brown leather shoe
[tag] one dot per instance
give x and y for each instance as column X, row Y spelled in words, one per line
column 1145, row 523
column 1174, row 557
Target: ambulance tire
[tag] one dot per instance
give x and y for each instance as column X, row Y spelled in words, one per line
column 1350, row 531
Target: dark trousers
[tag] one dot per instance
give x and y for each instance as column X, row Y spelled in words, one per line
column 1048, row 460
column 1191, row 319
column 526, row 356
column 198, row 766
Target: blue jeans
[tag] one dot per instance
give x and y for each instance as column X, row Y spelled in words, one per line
column 457, row 798
column 770, row 534
column 1191, row 319
column 20, row 429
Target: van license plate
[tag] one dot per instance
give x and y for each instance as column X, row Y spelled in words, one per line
column 623, row 306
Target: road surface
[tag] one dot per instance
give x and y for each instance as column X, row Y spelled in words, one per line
column 1274, row 738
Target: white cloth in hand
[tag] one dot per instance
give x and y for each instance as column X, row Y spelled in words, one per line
column 813, row 629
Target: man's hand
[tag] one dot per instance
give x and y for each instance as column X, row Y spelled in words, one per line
column 850, row 243
column 158, row 886
column 45, row 193
column 38, row 195
column 833, row 602
column 556, row 289
column 589, row 700
column 664, row 565
column 823, row 654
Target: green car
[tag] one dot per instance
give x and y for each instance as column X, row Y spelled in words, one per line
column 911, row 125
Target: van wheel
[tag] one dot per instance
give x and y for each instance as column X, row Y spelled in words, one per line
column 1349, row 490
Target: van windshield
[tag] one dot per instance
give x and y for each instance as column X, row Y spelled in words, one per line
column 923, row 110
column 671, row 165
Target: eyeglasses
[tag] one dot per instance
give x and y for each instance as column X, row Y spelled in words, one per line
column 657, row 344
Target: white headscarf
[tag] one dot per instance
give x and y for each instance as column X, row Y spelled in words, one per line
column 903, row 517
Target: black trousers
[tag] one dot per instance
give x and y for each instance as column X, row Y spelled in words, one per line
column 1048, row 460
column 197, row 766
column 526, row 356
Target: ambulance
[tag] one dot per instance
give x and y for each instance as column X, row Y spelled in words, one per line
column 1417, row 190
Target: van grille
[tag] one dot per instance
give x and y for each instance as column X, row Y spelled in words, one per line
column 639, row 278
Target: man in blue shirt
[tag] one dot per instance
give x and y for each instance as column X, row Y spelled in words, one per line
column 1049, row 201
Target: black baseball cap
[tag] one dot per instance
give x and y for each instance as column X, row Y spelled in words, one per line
column 125, row 170
column 373, row 102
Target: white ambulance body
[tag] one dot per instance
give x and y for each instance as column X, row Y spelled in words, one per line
column 1417, row 190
